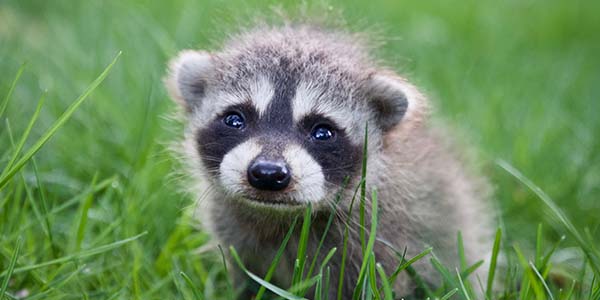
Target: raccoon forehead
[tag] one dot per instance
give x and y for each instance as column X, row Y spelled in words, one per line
column 310, row 98
column 257, row 92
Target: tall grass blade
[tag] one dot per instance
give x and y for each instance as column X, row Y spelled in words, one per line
column 305, row 284
column 327, row 259
column 446, row 275
column 493, row 263
column 276, row 259
column 224, row 261
column 592, row 256
column 372, row 278
column 302, row 246
column 462, row 286
column 328, row 226
column 78, row 255
column 85, row 207
column 407, row 264
column 469, row 270
column 10, row 270
column 538, row 246
column 191, row 285
column 26, row 133
column 363, row 192
column 273, row 288
column 54, row 128
column 57, row 284
column 546, row 259
column 345, row 245
column 541, row 278
column 327, row 283
column 44, row 208
column 369, row 249
column 449, row 294
column 385, row 283
column 532, row 280
column 11, row 89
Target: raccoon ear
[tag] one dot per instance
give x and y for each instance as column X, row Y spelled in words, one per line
column 188, row 77
column 393, row 99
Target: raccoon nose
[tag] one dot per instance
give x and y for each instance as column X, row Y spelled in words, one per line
column 269, row 175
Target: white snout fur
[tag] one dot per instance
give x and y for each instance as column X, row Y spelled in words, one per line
column 308, row 181
column 235, row 163
column 307, row 175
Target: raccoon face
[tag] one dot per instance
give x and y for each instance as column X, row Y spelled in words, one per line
column 277, row 132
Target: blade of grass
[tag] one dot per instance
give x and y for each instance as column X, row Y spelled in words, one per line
column 55, row 285
column 327, row 283
column 54, row 128
column 419, row 281
column 302, row 246
column 373, row 277
column 593, row 257
column 85, row 207
column 538, row 246
column 345, row 244
column 449, row 294
column 11, row 269
column 468, row 271
column 191, row 285
column 305, row 284
column 549, row 254
column 78, row 255
column 493, row 263
column 446, row 275
column 462, row 286
column 327, row 258
column 227, row 279
column 338, row 197
column 28, row 193
column 318, row 289
column 273, row 288
column 385, row 284
column 26, row 133
column 539, row 294
column 276, row 259
column 370, row 244
column 539, row 276
column 363, row 192
column 44, row 208
column 11, row 89
column 407, row 264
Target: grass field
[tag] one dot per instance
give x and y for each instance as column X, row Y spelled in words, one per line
column 96, row 213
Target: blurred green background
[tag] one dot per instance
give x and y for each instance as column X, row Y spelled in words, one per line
column 518, row 80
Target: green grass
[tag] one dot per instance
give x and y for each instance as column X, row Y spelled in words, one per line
column 90, row 208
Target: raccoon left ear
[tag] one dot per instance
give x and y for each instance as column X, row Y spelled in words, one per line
column 188, row 77
column 393, row 99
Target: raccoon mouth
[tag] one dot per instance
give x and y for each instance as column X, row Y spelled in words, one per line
column 271, row 201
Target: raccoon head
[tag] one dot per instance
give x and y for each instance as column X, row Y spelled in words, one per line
column 277, row 118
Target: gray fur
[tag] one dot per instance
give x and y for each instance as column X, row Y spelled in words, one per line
column 425, row 193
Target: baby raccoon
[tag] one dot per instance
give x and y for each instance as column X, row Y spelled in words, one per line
column 276, row 121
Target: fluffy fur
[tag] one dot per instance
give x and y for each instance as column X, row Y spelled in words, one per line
column 286, row 79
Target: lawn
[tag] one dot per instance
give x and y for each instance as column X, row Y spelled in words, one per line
column 99, row 213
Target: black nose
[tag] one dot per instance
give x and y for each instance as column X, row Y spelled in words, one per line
column 269, row 175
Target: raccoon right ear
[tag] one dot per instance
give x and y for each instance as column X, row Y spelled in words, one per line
column 188, row 77
column 394, row 99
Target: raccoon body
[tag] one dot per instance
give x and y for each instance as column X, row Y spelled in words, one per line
column 276, row 121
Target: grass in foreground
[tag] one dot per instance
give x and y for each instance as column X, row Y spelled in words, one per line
column 539, row 277
column 519, row 77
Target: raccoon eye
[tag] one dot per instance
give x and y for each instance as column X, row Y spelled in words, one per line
column 322, row 132
column 234, row 120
